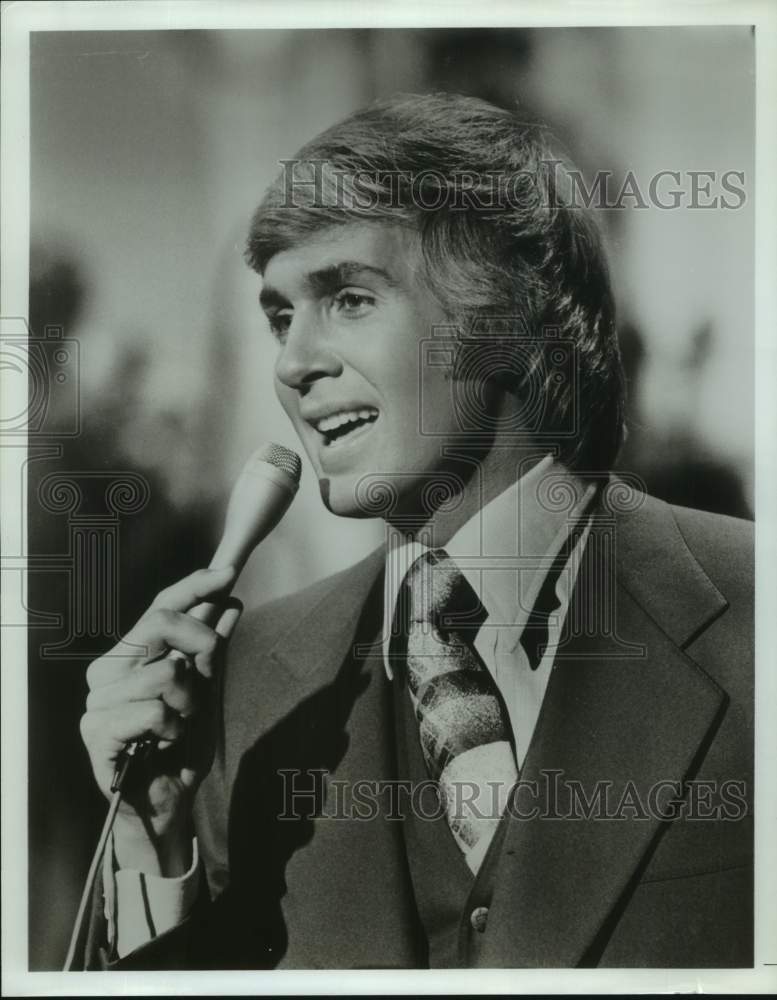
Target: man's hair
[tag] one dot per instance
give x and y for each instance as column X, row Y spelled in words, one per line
column 506, row 251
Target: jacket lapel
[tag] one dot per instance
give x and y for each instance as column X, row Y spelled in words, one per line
column 315, row 651
column 624, row 710
column 322, row 874
column 304, row 659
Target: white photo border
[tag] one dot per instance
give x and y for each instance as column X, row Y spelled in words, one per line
column 21, row 18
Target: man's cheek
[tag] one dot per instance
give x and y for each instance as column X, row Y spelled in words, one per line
column 307, row 438
column 284, row 394
column 288, row 400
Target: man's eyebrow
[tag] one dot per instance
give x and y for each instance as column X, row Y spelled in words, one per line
column 346, row 272
column 271, row 298
column 327, row 280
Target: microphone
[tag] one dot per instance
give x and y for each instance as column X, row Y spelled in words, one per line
column 259, row 499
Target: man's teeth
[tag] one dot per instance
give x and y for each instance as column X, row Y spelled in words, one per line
column 347, row 416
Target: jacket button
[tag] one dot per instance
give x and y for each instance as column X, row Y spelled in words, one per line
column 479, row 918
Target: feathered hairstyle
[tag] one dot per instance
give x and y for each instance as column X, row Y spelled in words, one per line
column 505, row 248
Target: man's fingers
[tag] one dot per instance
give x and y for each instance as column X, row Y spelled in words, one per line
column 171, row 679
column 197, row 587
column 106, row 730
column 230, row 616
column 158, row 631
column 162, row 629
column 166, row 626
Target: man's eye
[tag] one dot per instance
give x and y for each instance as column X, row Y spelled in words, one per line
column 279, row 324
column 353, row 304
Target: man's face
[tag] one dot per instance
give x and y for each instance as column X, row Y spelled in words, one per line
column 349, row 311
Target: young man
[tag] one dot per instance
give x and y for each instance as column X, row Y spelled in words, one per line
column 518, row 735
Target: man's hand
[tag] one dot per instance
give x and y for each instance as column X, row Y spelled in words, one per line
column 138, row 689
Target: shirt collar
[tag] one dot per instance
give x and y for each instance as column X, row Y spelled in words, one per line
column 506, row 548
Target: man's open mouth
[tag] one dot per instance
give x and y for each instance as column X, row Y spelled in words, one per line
column 345, row 425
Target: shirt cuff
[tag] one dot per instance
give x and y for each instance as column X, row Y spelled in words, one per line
column 139, row 907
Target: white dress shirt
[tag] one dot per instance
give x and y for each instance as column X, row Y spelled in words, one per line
column 505, row 551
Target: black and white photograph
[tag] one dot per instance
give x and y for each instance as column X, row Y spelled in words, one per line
column 388, row 498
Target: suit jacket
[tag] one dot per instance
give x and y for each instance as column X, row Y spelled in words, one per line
column 651, row 687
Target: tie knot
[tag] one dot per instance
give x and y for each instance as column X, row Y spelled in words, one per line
column 437, row 592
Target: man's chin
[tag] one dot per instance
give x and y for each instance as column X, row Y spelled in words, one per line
column 342, row 498
column 384, row 495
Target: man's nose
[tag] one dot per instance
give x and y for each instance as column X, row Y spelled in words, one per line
column 306, row 355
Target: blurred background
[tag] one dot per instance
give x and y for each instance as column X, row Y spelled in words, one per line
column 149, row 152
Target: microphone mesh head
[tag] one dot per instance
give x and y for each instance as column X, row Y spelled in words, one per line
column 282, row 458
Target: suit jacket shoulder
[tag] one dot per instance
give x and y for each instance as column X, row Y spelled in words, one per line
column 724, row 547
column 262, row 626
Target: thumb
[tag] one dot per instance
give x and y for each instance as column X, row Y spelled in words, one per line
column 229, row 617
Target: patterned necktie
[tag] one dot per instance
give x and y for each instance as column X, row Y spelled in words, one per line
column 464, row 727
